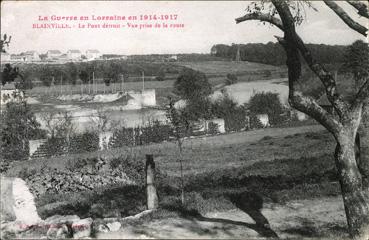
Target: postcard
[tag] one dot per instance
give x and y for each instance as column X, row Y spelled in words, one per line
column 184, row 119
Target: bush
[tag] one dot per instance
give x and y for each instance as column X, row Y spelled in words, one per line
column 25, row 173
column 155, row 132
column 192, row 85
column 78, row 164
column 86, row 142
column 267, row 103
column 255, row 122
column 131, row 165
column 213, row 128
column 18, row 126
column 231, row 79
column 234, row 116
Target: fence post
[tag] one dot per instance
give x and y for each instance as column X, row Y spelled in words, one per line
column 151, row 194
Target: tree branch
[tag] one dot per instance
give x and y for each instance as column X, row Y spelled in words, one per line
column 261, row 17
column 297, row 100
column 326, row 78
column 294, row 40
column 362, row 8
column 346, row 18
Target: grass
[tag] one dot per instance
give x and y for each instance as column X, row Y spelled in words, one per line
column 224, row 67
column 214, row 168
column 212, row 152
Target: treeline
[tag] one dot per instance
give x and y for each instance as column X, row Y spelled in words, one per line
column 273, row 53
column 110, row 71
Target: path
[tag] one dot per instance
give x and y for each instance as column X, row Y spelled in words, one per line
column 296, row 219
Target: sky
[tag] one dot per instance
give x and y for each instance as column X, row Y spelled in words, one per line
column 205, row 23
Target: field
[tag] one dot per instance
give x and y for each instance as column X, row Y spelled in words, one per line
column 47, row 99
column 215, row 71
column 224, row 67
column 267, row 162
column 289, row 173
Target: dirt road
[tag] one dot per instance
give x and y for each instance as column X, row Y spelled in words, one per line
column 317, row 218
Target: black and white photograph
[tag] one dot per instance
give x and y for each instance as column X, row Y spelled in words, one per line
column 184, row 119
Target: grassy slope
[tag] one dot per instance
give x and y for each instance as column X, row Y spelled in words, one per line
column 279, row 164
column 215, row 70
column 224, row 67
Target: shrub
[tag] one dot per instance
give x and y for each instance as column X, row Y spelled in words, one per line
column 131, row 165
column 231, row 79
column 80, row 163
column 25, row 173
column 192, row 85
column 267, row 103
column 233, row 115
column 213, row 128
column 85, row 142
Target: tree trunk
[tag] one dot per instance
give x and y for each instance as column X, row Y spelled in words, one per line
column 363, row 161
column 181, row 170
column 355, row 197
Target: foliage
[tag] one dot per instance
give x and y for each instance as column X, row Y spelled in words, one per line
column 112, row 69
column 192, row 85
column 231, row 79
column 267, row 103
column 9, row 74
column 160, row 76
column 179, row 120
column 273, row 53
column 18, row 126
column 233, row 115
column 131, row 165
column 154, row 132
column 4, row 42
column 213, row 128
column 73, row 72
column 85, row 142
column 357, row 61
column 83, row 75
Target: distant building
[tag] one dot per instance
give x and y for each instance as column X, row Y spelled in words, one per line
column 264, row 119
column 92, row 54
column 63, row 57
column 74, row 54
column 31, row 56
column 209, row 126
column 5, row 57
column 53, row 54
column 172, row 58
column 219, row 123
column 17, row 58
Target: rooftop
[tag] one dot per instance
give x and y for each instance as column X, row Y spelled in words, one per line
column 74, row 51
column 54, row 51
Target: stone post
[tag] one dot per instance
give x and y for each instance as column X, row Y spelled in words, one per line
column 151, row 194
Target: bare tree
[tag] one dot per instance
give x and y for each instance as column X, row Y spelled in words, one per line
column 180, row 127
column 343, row 124
column 59, row 125
column 102, row 122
